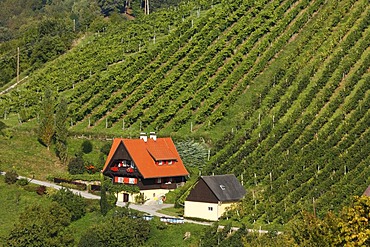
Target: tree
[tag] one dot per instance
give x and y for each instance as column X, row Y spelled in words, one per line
column 104, row 206
column 41, row 226
column 192, row 153
column 209, row 236
column 309, row 230
column 354, row 224
column 109, row 6
column 76, row 165
column 86, row 146
column 61, row 131
column 86, row 11
column 75, row 204
column 132, row 232
column 46, row 125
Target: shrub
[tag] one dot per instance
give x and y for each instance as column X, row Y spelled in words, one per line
column 76, row 165
column 86, row 147
column 140, row 198
column 41, row 190
column 75, row 204
column 30, row 187
column 11, row 177
column 22, row 181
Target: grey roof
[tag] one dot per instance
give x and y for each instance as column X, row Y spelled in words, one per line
column 225, row 187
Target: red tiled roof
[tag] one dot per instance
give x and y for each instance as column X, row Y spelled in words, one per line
column 145, row 154
column 160, row 151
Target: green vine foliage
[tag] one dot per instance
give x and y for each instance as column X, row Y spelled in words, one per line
column 279, row 91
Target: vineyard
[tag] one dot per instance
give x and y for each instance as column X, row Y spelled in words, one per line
column 279, row 89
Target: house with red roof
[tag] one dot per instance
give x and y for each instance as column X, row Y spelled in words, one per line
column 153, row 164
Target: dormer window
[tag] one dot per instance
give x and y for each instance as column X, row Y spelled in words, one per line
column 160, row 162
column 223, row 187
column 170, row 162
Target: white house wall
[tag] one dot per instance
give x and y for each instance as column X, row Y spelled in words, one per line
column 201, row 210
column 152, row 195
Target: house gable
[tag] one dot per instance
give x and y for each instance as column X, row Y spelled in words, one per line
column 120, row 154
column 202, row 193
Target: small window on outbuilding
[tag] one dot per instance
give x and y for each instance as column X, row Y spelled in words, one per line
column 223, row 187
column 210, row 208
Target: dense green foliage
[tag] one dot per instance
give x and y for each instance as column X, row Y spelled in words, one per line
column 117, row 229
column 75, row 204
column 76, row 165
column 11, row 177
column 86, row 146
column 42, row 226
column 104, row 206
column 46, row 123
column 349, row 228
column 279, row 90
column 193, row 154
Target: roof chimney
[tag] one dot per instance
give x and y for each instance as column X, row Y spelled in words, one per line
column 153, row 136
column 143, row 136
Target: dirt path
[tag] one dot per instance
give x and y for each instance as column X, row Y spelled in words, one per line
column 13, row 86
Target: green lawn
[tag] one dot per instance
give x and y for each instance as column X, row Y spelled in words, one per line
column 177, row 212
column 173, row 235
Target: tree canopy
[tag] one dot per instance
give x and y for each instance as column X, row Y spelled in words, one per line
column 42, row 225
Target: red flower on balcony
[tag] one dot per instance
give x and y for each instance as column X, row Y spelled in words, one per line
column 130, row 170
column 114, row 169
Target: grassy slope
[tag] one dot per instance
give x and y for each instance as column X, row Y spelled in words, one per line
column 24, row 154
column 13, row 201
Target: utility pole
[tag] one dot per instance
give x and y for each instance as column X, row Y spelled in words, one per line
column 146, row 7
column 17, row 64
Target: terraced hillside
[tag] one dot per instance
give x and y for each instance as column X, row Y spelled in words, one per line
column 279, row 88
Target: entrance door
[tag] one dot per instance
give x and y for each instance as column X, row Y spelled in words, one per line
column 125, row 197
